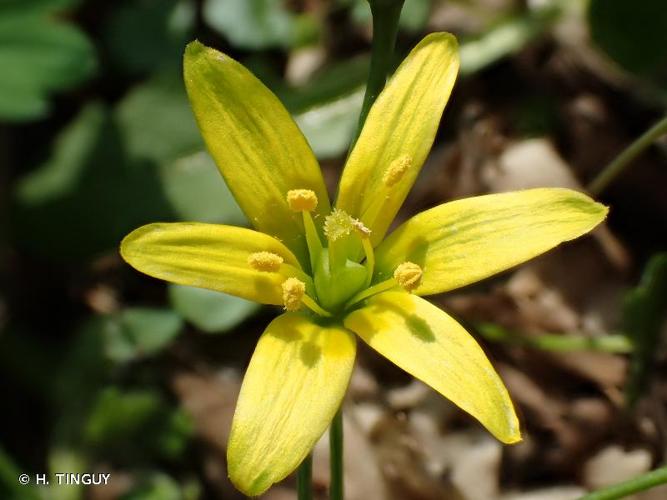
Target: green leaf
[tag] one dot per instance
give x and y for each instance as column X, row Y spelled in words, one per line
column 10, row 488
column 632, row 34
column 70, row 460
column 197, row 192
column 644, row 314
column 414, row 14
column 329, row 127
column 504, row 39
column 150, row 35
column 39, row 55
column 157, row 487
column 327, row 107
column 156, row 122
column 87, row 195
column 140, row 332
column 61, row 174
column 251, row 24
column 135, row 423
column 210, row 311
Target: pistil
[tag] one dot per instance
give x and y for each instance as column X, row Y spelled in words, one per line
column 337, row 226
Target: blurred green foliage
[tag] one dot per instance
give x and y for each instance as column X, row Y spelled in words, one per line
column 149, row 36
column 633, row 34
column 209, row 311
column 107, row 142
column 39, row 54
column 644, row 315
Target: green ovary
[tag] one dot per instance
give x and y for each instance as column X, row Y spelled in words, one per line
column 335, row 286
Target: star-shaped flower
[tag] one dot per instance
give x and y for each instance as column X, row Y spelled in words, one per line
column 334, row 271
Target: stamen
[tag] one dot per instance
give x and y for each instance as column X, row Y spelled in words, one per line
column 396, row 169
column 265, row 261
column 314, row 306
column 302, row 200
column 365, row 234
column 392, row 176
column 408, row 275
column 305, row 201
column 363, row 231
column 294, row 295
column 312, row 239
column 293, row 291
column 373, row 290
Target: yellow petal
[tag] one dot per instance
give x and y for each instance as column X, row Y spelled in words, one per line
column 258, row 148
column 210, row 256
column 294, row 385
column 464, row 241
column 427, row 343
column 398, row 134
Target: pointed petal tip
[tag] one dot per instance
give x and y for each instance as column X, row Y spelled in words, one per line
column 510, row 439
column 441, row 36
column 293, row 387
column 249, row 487
column 511, row 435
column 126, row 247
column 194, row 47
column 195, row 51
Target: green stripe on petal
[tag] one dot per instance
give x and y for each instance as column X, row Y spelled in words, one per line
column 210, row 256
column 258, row 148
column 427, row 343
column 467, row 240
column 398, row 134
column 294, row 385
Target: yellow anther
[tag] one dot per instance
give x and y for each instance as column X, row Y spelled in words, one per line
column 338, row 224
column 396, row 169
column 293, row 291
column 408, row 275
column 363, row 231
column 265, row 261
column 301, row 200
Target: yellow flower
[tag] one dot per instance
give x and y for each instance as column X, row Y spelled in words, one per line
column 334, row 271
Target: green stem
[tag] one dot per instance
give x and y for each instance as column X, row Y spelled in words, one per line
column 611, row 171
column 336, row 486
column 622, row 490
column 617, row 343
column 304, row 479
column 386, row 14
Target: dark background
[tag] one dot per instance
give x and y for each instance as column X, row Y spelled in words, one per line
column 104, row 369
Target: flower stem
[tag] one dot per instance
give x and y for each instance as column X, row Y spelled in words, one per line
column 386, row 14
column 304, row 479
column 613, row 169
column 336, row 485
column 613, row 343
column 622, row 490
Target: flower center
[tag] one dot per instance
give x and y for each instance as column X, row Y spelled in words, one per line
column 339, row 281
